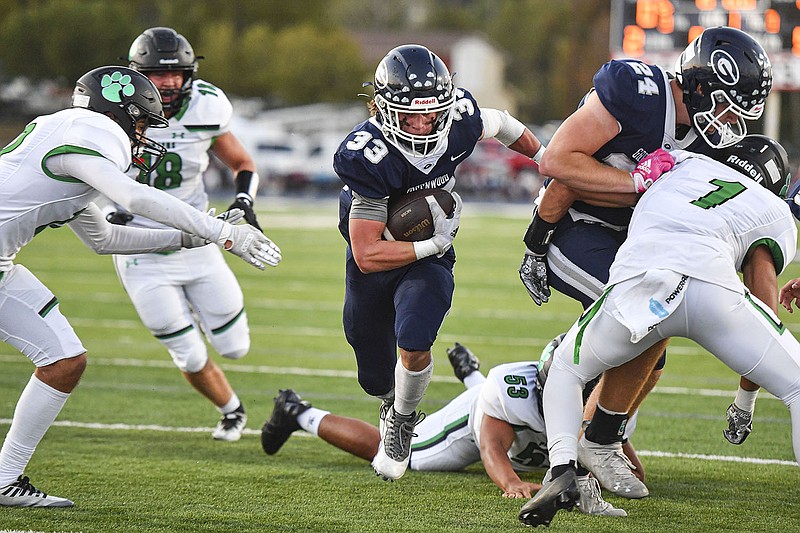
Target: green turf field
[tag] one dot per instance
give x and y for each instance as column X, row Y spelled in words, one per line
column 133, row 447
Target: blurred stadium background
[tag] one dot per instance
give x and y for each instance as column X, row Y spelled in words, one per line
column 294, row 70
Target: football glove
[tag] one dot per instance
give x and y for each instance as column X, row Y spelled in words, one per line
column 651, row 168
column 250, row 244
column 119, row 218
column 740, row 424
column 232, row 216
column 245, row 203
column 533, row 273
column 444, row 229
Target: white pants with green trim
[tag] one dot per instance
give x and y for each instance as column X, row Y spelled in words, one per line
column 444, row 440
column 183, row 295
column 31, row 319
column 734, row 326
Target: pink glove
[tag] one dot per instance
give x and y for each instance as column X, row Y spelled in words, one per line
column 650, row 169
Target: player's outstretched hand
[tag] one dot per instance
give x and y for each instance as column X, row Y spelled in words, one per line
column 444, row 228
column 790, row 293
column 521, row 489
column 250, row 244
column 533, row 273
column 651, row 168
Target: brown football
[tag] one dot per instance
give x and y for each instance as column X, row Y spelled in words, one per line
column 410, row 216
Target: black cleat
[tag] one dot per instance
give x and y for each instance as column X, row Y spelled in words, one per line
column 283, row 422
column 464, row 361
column 555, row 494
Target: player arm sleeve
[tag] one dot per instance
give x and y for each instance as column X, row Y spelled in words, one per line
column 369, row 208
column 97, row 233
column 103, row 176
column 502, row 126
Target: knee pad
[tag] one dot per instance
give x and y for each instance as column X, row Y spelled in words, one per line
column 188, row 351
column 233, row 340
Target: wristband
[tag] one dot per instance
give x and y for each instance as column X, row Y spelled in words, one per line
column 425, row 248
column 246, row 182
column 245, row 198
column 539, row 233
column 537, row 157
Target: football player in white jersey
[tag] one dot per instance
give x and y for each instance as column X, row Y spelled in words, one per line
column 721, row 83
column 186, row 295
column 676, row 276
column 55, row 173
column 497, row 420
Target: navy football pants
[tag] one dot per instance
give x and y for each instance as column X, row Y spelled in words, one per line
column 403, row 307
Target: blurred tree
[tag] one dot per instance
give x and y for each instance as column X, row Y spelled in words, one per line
column 63, row 40
column 285, row 52
column 310, row 65
column 295, row 52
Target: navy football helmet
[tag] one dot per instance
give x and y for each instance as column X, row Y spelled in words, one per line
column 131, row 100
column 762, row 159
column 160, row 49
column 724, row 65
column 413, row 80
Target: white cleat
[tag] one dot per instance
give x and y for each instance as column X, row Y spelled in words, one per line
column 591, row 501
column 391, row 461
column 230, row 426
column 612, row 468
column 22, row 494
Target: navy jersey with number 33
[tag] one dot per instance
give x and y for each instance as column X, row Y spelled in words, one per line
column 372, row 167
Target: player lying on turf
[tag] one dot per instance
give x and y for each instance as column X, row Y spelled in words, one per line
column 491, row 421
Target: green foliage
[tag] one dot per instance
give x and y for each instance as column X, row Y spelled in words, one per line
column 312, row 66
column 168, row 481
column 291, row 52
column 64, row 39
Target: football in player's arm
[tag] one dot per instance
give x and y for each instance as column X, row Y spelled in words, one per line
column 398, row 292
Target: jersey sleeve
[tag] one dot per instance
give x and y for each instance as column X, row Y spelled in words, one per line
column 509, row 394
column 630, row 91
column 212, row 113
column 98, row 135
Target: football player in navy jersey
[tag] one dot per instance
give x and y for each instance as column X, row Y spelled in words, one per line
column 634, row 109
column 398, row 293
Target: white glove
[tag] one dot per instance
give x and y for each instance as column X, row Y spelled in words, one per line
column 444, row 229
column 251, row 245
column 232, row 216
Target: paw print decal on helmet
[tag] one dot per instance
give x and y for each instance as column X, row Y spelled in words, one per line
column 115, row 83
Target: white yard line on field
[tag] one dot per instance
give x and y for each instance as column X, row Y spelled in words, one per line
column 170, row 429
column 345, row 374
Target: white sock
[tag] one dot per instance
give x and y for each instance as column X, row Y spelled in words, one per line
column 231, row 406
column 746, row 400
column 474, row 379
column 37, row 408
column 310, row 419
column 794, row 411
column 409, row 387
